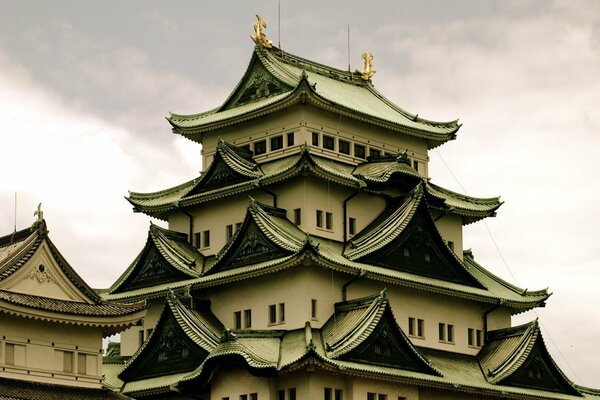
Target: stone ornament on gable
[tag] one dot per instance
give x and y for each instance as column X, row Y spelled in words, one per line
column 41, row 274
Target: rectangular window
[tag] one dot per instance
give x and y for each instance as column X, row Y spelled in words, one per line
column 281, row 312
column 315, row 139
column 328, row 142
column 281, row 395
column 351, row 226
column 416, row 165
column 327, row 394
column 290, row 139
column 442, row 332
column 67, row 361
column 253, row 396
column 229, row 231
column 313, row 309
column 224, row 398
column 81, row 364
column 344, row 146
column 319, row 218
column 272, row 314
column 197, row 240
column 371, row 396
column 471, row 337
column 140, row 337
column 421, row 328
column 374, row 152
column 329, row 220
column 243, row 397
column 338, row 394
column 298, row 216
column 292, row 394
column 237, row 320
column 276, row 143
column 479, row 337
column 9, row 354
column 260, row 147
column 450, row 333
column 206, row 239
column 247, row 318
column 359, row 151
column 411, row 326
column 406, row 252
column 382, row 397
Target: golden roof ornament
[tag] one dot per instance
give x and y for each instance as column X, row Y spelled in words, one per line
column 367, row 72
column 259, row 37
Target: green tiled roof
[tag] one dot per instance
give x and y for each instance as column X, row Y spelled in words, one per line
column 302, row 80
column 12, row 389
column 376, row 171
column 173, row 247
column 153, row 384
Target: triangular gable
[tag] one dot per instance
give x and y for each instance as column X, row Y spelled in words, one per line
column 365, row 331
column 265, row 234
column 170, row 349
column 517, row 356
column 256, row 84
column 231, row 165
column 166, row 257
column 409, row 241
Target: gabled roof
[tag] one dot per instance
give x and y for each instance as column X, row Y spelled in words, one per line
column 404, row 237
column 518, row 356
column 275, row 80
column 265, row 234
column 166, row 257
column 16, row 252
column 373, row 174
column 183, row 337
column 365, row 330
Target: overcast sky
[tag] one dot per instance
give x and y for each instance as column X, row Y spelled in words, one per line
column 84, row 88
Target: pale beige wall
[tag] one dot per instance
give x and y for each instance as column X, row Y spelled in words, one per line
column 39, row 351
column 130, row 338
column 303, row 120
column 296, row 288
column 450, row 227
column 222, row 385
column 360, row 388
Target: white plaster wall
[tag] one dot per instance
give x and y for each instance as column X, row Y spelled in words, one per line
column 130, row 338
column 450, row 227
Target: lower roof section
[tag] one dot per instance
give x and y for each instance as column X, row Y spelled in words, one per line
column 12, row 389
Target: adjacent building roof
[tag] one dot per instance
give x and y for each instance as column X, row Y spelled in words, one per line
column 276, row 80
column 12, row 389
column 17, row 249
column 224, row 177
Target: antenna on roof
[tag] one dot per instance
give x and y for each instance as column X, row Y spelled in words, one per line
column 348, row 47
column 279, row 23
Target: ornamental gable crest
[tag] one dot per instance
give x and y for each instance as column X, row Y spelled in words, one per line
column 218, row 175
column 153, row 270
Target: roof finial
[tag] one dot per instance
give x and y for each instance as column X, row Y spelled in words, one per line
column 259, row 37
column 39, row 213
column 367, row 72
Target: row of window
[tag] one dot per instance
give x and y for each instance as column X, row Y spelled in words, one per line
column 276, row 313
column 275, row 143
column 291, row 394
column 381, row 396
column 416, row 328
column 15, row 355
column 250, row 396
column 328, row 394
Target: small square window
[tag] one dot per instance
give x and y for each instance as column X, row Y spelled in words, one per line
column 328, row 220
column 371, row 396
column 327, row 394
column 416, row 165
column 374, row 152
column 359, row 151
column 281, row 395
column 206, row 239
column 276, row 143
column 344, row 146
column 243, row 397
column 229, row 231
column 247, row 319
column 319, row 218
column 281, row 312
column 442, row 332
column 421, row 328
column 290, row 139
column 237, row 320
column 292, row 394
column 450, row 333
column 260, row 147
column 471, row 337
column 298, row 216
column 272, row 314
column 313, row 308
column 479, row 337
column 382, row 397
column 352, row 226
column 253, row 396
column 197, row 240
column 338, row 394
column 328, row 142
column 315, row 139
column 411, row 326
